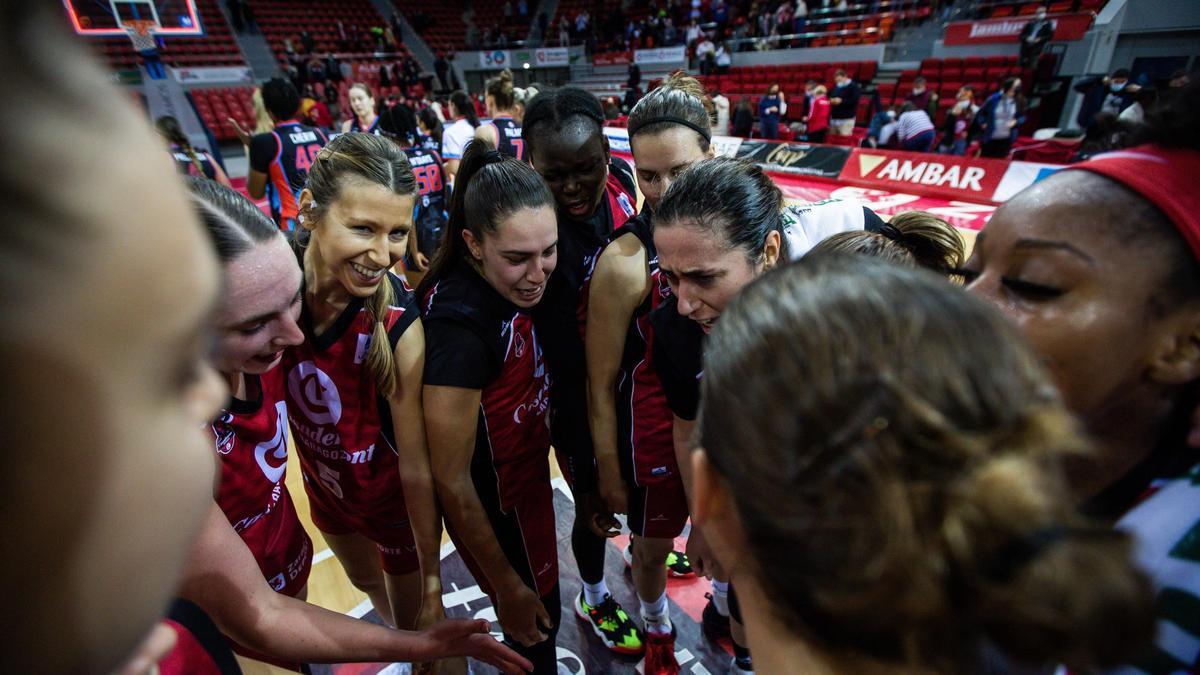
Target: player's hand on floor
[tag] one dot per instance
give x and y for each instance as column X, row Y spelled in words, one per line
column 469, row 637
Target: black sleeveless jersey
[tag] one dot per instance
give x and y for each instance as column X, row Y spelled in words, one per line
column 508, row 137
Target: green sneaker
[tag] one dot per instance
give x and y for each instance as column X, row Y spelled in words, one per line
column 611, row 624
column 678, row 565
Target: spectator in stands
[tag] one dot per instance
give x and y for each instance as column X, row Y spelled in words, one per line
column 922, row 97
column 720, row 112
column 723, row 58
column 1000, row 118
column 800, row 18
column 882, row 127
column 333, row 102
column 1179, row 79
column 1112, row 94
column 1144, row 102
column 817, row 121
column 307, row 44
column 770, row 109
column 706, row 54
column 333, row 69
column 632, row 96
column 914, row 129
column 564, row 31
column 442, row 67
column 959, row 118
column 635, row 76
column 523, row 12
column 313, row 110
column 1034, row 37
column 743, row 118
column 844, row 99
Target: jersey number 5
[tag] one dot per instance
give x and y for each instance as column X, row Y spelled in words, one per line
column 330, row 479
column 306, row 155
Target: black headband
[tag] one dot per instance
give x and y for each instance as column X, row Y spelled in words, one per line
column 706, row 132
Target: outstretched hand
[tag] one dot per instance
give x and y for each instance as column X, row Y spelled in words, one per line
column 467, row 637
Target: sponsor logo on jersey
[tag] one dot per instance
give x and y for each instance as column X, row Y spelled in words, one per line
column 364, row 346
column 626, row 206
column 519, row 345
column 315, row 393
column 223, row 433
column 660, row 471
column 274, row 448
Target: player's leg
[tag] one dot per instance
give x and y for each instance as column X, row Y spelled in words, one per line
column 360, row 559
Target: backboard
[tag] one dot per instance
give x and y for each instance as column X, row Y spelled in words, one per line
column 104, row 18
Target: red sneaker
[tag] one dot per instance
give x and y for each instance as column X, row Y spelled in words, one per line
column 660, row 654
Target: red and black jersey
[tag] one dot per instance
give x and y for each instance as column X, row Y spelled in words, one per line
column 342, row 426
column 251, row 444
column 644, row 439
column 429, row 221
column 678, row 356
column 562, row 312
column 285, row 155
column 508, row 137
column 476, row 339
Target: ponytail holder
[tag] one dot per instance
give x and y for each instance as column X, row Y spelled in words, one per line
column 493, row 157
column 888, row 231
column 1008, row 561
column 672, row 119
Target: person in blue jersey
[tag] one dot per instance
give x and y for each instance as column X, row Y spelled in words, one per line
column 362, row 104
column 399, row 123
column 280, row 158
column 504, row 131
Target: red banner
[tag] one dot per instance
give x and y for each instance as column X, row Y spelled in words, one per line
column 611, row 59
column 1066, row 27
column 946, row 176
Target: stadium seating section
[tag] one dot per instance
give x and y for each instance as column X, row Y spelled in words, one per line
column 753, row 81
column 1006, row 8
column 281, row 20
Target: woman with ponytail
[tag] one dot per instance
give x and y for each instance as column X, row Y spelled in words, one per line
column 912, row 238
column 880, row 468
column 504, row 131
column 354, row 386
column 253, row 586
column 188, row 160
column 484, row 363
column 461, row 130
column 362, row 103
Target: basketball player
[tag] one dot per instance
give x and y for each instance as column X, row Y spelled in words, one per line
column 362, row 103
column 504, row 131
column 399, row 123
column 354, row 386
column 106, row 291
column 880, row 467
column 911, row 238
column 484, row 363
column 256, row 321
column 630, row 418
column 281, row 158
column 189, row 161
column 1098, row 266
column 595, row 194
column 244, row 583
column 460, row 131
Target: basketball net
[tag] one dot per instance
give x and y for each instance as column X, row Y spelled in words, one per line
column 141, row 34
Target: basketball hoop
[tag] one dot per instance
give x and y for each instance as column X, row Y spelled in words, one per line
column 141, row 34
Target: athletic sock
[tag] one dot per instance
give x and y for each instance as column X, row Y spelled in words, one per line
column 655, row 615
column 720, row 593
column 593, row 594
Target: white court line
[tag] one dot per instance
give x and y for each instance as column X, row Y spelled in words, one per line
column 322, row 556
